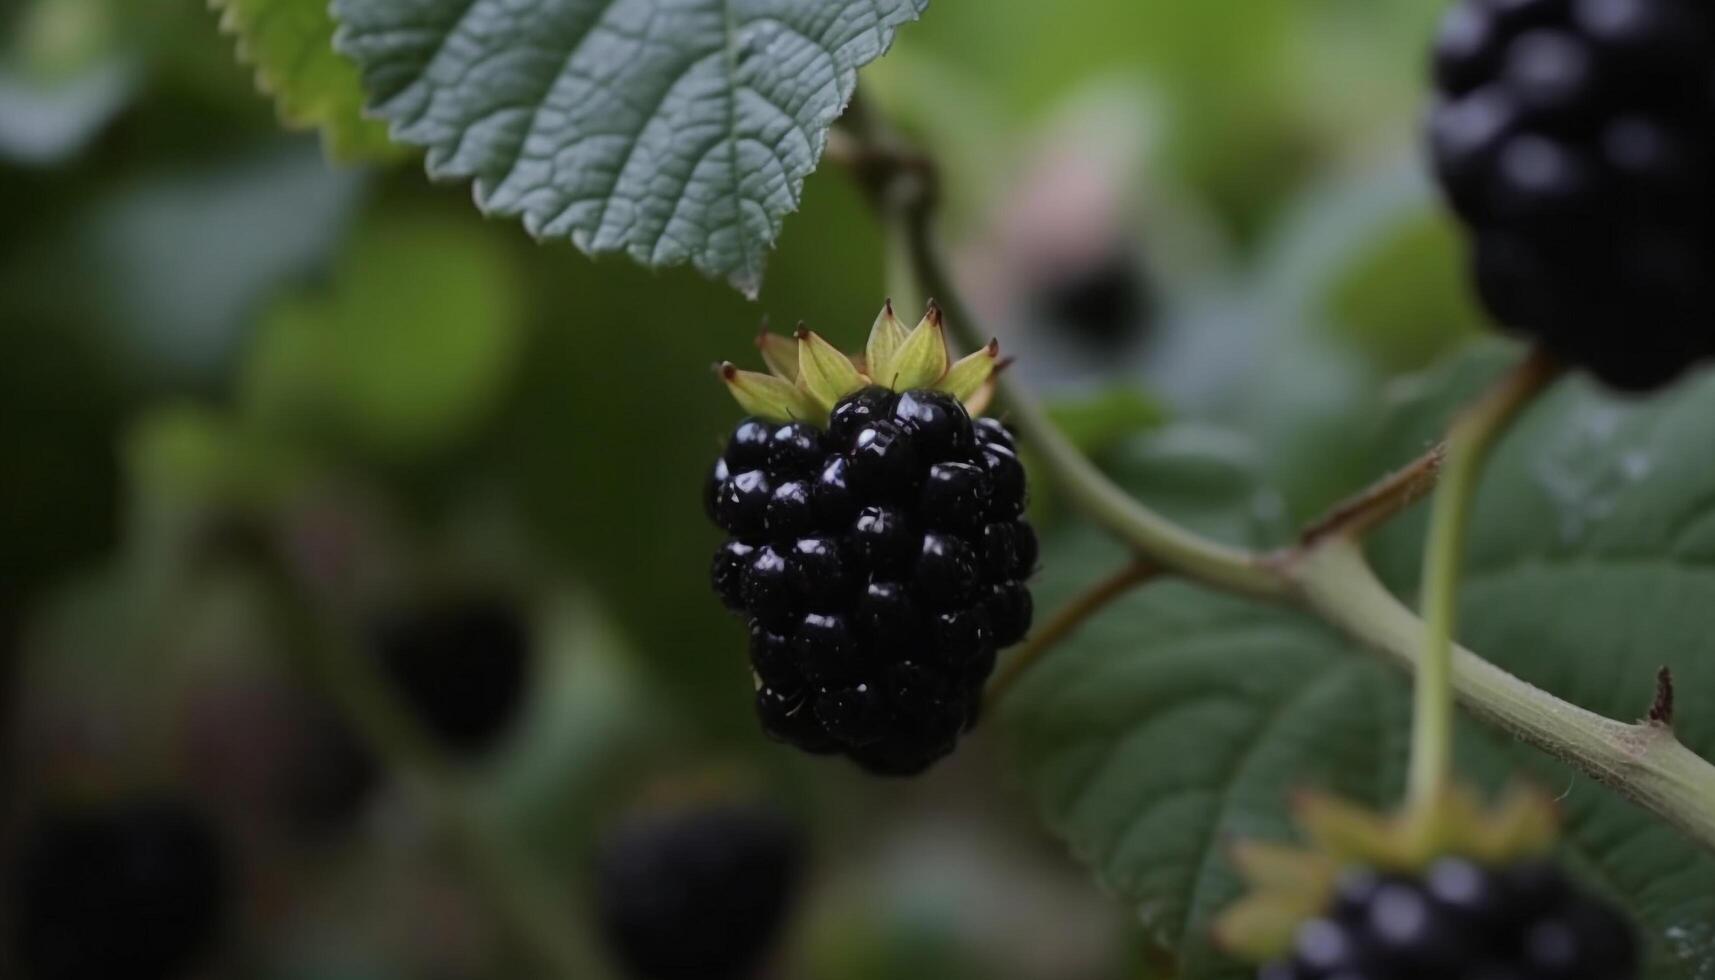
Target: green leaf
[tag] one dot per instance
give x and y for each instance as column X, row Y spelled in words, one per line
column 290, row 42
column 1182, row 717
column 678, row 134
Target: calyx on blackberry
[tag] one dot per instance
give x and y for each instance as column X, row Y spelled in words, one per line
column 1576, row 139
column 878, row 544
column 134, row 889
column 1454, row 892
column 461, row 663
column 697, row 893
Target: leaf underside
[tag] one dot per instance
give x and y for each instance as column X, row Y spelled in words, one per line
column 674, row 132
column 1182, row 718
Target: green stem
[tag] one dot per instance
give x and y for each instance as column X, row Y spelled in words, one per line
column 541, row 919
column 1468, row 445
column 1642, row 761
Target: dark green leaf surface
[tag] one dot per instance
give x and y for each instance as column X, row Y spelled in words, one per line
column 674, row 133
column 1181, row 717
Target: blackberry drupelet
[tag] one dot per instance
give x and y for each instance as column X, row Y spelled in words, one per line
column 881, row 564
column 135, row 890
column 1462, row 921
column 697, row 894
column 461, row 664
column 1576, row 140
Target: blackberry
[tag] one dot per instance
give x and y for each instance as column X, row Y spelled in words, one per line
column 1575, row 139
column 880, row 563
column 134, row 890
column 1462, row 921
column 697, row 894
column 461, row 664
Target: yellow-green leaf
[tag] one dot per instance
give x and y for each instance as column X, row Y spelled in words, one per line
column 290, row 43
column 922, row 359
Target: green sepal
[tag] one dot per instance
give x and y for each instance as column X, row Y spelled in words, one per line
column 779, row 353
column 826, row 373
column 1290, row 885
column 766, row 396
column 964, row 379
column 922, row 359
column 885, row 339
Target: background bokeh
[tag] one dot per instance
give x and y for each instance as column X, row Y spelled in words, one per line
column 1177, row 215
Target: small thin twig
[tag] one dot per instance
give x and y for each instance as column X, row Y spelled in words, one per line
column 1381, row 501
column 1066, row 622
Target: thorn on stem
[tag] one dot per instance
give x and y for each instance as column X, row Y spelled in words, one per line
column 1661, row 710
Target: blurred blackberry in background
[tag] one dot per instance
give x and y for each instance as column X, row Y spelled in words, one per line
column 1461, row 921
column 267, row 750
column 330, row 778
column 881, row 564
column 461, row 664
column 1104, row 303
column 1576, row 140
column 135, row 890
column 697, row 894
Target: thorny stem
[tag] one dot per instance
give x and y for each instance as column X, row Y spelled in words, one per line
column 1066, row 622
column 1382, row 501
column 541, row 919
column 1468, row 444
column 1643, row 762
column 1326, row 573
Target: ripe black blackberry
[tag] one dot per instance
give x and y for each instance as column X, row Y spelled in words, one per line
column 880, row 560
column 1576, row 139
column 697, row 894
column 461, row 664
column 135, row 890
column 1462, row 921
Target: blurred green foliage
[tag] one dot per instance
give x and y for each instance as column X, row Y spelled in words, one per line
column 202, row 317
